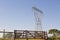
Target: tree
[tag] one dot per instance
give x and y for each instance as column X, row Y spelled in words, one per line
column 58, row 32
column 55, row 32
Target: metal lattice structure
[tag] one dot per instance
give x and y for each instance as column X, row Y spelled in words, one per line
column 38, row 16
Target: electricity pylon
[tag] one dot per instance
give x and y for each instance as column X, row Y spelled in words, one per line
column 38, row 16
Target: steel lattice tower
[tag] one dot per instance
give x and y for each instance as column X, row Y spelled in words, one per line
column 38, row 16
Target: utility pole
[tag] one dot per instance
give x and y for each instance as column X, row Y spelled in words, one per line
column 4, row 34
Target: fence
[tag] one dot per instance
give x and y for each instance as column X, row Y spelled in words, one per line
column 24, row 35
column 29, row 35
column 6, row 35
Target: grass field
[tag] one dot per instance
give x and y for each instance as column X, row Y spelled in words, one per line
column 30, row 39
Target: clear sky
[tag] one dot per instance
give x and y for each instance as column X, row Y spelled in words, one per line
column 18, row 14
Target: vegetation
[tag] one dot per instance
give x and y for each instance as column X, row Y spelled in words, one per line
column 9, row 35
column 55, row 33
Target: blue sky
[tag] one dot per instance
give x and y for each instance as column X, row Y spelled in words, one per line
column 18, row 14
